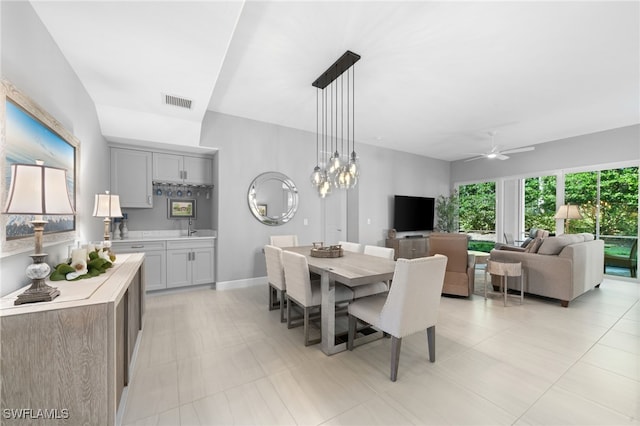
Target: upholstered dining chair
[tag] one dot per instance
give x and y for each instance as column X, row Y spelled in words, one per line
column 410, row 306
column 349, row 246
column 305, row 293
column 275, row 275
column 381, row 286
column 460, row 275
column 283, row 240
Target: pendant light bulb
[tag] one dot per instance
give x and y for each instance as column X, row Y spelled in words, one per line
column 324, row 188
column 316, row 177
column 354, row 165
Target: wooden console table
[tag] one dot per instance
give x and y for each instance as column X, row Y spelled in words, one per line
column 72, row 356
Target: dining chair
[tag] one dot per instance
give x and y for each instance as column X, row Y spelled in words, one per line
column 410, row 306
column 305, row 293
column 283, row 240
column 349, row 246
column 275, row 275
column 381, row 286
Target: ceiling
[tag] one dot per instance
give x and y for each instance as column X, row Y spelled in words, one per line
column 434, row 79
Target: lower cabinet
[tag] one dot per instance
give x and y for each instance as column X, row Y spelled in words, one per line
column 190, row 262
column 155, row 260
column 409, row 248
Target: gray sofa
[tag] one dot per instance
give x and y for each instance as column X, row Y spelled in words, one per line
column 562, row 267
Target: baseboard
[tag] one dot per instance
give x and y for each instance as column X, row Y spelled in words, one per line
column 247, row 282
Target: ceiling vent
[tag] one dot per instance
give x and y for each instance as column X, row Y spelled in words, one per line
column 177, row 101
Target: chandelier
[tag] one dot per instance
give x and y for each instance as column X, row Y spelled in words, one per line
column 337, row 164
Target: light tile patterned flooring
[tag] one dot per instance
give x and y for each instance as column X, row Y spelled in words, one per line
column 220, row 357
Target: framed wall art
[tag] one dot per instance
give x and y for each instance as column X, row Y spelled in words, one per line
column 179, row 208
column 28, row 133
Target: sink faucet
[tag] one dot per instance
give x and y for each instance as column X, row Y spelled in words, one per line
column 190, row 231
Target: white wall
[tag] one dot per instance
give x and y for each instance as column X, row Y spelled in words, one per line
column 248, row 148
column 34, row 64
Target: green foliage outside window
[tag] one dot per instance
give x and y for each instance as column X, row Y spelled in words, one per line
column 477, row 207
column 540, row 203
column 618, row 201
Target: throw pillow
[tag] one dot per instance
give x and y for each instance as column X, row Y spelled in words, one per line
column 534, row 246
column 553, row 245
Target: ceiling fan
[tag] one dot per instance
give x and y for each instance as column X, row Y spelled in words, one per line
column 495, row 151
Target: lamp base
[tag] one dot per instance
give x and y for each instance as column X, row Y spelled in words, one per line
column 44, row 293
column 39, row 291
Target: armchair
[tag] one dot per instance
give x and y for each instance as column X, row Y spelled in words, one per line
column 460, row 273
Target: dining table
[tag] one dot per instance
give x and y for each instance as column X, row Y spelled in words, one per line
column 352, row 270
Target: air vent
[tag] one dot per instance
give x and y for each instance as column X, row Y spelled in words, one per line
column 177, row 101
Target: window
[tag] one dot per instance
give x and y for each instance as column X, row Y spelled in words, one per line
column 608, row 201
column 540, row 203
column 478, row 213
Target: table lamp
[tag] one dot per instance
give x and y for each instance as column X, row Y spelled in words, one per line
column 566, row 212
column 38, row 190
column 107, row 206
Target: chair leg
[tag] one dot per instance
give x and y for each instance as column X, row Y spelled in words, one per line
column 396, row 342
column 308, row 342
column 289, row 313
column 282, row 303
column 273, row 298
column 431, row 342
column 353, row 322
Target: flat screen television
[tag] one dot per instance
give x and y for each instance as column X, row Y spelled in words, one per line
column 413, row 213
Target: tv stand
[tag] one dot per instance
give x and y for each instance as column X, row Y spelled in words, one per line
column 409, row 247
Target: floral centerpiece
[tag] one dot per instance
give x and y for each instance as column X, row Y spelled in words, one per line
column 83, row 264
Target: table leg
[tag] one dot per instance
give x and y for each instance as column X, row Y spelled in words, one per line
column 328, row 316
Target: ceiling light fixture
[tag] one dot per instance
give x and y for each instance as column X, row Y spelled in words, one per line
column 335, row 166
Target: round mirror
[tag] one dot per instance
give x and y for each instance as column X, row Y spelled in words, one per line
column 273, row 198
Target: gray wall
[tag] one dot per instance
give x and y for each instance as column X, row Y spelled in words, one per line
column 248, row 148
column 596, row 150
column 33, row 63
column 610, row 146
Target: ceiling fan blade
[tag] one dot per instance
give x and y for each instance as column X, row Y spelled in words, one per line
column 515, row 150
column 474, row 158
column 501, row 156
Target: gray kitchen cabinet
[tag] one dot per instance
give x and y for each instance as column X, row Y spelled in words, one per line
column 155, row 260
column 182, row 169
column 190, row 262
column 131, row 177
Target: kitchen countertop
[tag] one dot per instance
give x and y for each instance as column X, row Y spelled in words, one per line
column 164, row 235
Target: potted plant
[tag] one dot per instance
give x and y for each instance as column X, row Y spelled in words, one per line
column 447, row 211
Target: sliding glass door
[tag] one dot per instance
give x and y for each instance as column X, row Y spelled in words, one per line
column 608, row 201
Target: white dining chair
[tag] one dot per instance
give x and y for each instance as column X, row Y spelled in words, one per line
column 275, row 275
column 284, row 240
column 381, row 286
column 305, row 293
column 410, row 306
column 352, row 247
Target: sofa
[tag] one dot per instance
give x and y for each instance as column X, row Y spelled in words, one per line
column 562, row 267
column 460, row 273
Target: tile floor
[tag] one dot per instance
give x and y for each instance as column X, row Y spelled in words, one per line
column 220, row 357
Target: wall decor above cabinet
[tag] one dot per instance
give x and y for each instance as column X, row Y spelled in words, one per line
column 183, row 169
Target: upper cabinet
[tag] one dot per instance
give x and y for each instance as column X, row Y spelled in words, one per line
column 182, row 169
column 131, row 177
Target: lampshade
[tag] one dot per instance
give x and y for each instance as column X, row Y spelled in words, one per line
column 107, row 205
column 38, row 190
column 568, row 211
